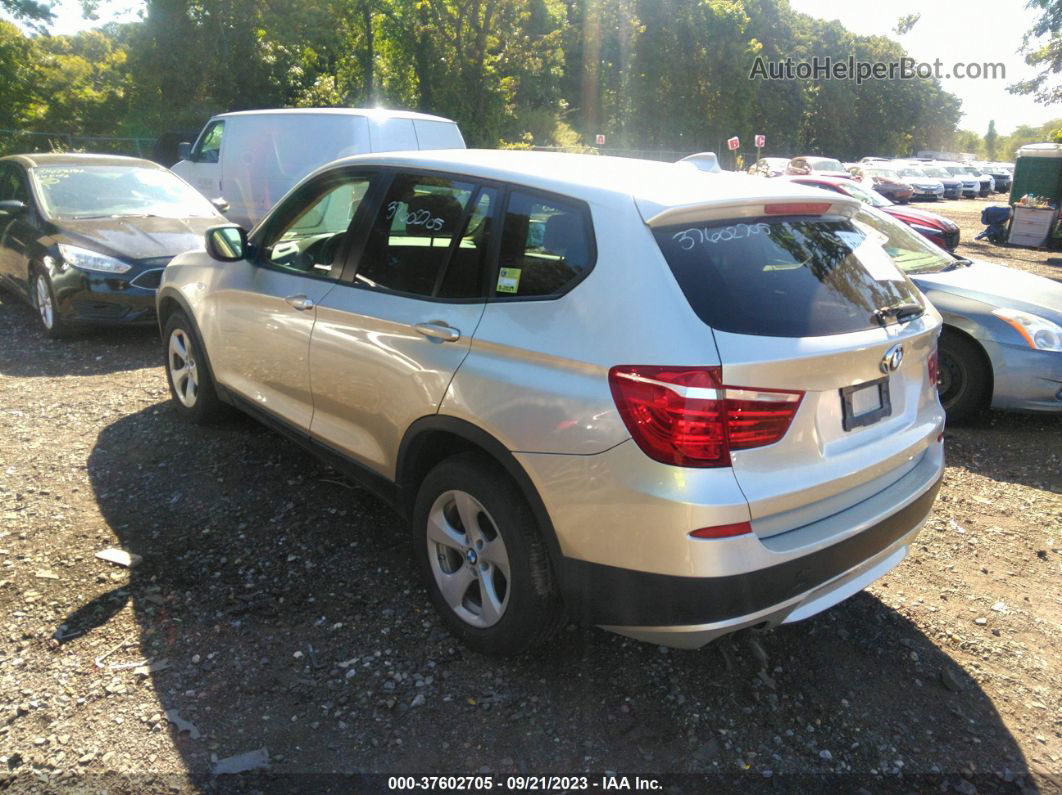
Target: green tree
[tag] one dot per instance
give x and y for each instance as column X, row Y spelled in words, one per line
column 1043, row 50
column 991, row 140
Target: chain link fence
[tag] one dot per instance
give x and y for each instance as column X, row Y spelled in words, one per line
column 16, row 141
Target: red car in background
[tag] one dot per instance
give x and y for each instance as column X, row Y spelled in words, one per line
column 934, row 227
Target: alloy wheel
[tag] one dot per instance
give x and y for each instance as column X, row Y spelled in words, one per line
column 951, row 380
column 468, row 558
column 183, row 372
column 44, row 302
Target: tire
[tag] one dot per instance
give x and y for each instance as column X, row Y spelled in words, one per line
column 465, row 570
column 191, row 385
column 964, row 377
column 43, row 296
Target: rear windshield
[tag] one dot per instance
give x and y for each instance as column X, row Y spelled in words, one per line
column 785, row 277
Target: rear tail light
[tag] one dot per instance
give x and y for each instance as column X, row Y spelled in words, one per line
column 686, row 416
column 933, row 367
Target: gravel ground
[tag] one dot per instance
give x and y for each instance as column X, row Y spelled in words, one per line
column 276, row 608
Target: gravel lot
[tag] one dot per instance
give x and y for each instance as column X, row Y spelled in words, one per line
column 280, row 610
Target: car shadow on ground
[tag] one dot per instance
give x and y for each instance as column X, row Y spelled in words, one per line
column 987, row 446
column 289, row 612
column 89, row 352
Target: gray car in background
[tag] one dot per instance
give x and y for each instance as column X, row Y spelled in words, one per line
column 1001, row 346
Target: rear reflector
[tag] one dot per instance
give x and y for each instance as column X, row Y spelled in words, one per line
column 796, row 208
column 723, row 530
column 685, row 416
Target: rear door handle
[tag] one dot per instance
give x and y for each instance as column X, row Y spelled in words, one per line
column 300, row 302
column 437, row 330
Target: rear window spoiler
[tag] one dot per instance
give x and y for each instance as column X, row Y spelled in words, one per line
column 726, row 208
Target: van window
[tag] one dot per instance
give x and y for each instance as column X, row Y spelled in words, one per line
column 438, row 135
column 546, row 245
column 310, row 228
column 409, row 244
column 208, row 147
column 784, row 277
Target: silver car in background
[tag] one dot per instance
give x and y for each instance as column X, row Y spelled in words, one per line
column 1001, row 346
column 667, row 404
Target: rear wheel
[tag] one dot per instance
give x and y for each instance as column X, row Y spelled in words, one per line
column 482, row 556
column 191, row 385
column 963, row 379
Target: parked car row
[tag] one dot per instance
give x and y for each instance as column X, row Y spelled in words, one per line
column 899, row 180
column 671, row 403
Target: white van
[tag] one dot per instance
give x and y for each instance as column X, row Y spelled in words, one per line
column 248, row 159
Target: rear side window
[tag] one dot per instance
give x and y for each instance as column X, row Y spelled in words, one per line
column 409, row 244
column 546, row 246
column 784, row 277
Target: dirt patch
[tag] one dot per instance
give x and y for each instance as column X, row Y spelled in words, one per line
column 276, row 607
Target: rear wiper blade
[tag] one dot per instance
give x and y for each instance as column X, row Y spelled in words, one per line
column 959, row 262
column 898, row 311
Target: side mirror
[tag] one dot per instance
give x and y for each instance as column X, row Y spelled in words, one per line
column 184, row 150
column 226, row 243
column 220, row 205
column 12, row 207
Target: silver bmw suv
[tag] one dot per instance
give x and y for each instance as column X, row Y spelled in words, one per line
column 670, row 404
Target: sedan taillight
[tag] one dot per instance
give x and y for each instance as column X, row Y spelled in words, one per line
column 686, row 416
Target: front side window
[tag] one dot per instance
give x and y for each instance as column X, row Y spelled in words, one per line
column 208, row 147
column 308, row 231
column 12, row 186
column 546, row 245
column 409, row 246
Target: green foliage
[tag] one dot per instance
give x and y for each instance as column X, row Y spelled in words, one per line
column 991, row 140
column 905, row 23
column 650, row 74
column 1043, row 49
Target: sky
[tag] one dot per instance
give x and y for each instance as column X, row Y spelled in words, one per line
column 956, row 31
column 952, row 30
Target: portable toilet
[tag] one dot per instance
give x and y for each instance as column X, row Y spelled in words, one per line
column 1038, row 170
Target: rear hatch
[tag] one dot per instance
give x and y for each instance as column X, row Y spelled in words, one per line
column 802, row 300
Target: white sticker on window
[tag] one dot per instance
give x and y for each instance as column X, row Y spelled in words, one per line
column 508, row 280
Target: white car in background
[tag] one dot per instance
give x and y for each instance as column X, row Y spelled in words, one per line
column 246, row 161
column 922, row 185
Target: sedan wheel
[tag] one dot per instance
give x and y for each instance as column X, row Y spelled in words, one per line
column 44, row 302
column 183, row 373
column 468, row 559
column 963, row 379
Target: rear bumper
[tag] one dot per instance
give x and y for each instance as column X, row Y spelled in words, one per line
column 690, row 611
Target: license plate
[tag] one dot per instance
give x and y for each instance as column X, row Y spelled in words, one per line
column 866, row 400
column 864, row 404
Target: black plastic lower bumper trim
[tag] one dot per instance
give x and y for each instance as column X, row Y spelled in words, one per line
column 600, row 594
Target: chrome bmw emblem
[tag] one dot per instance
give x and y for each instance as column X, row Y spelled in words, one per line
column 890, row 362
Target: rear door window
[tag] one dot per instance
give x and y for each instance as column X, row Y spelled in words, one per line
column 785, row 277
column 431, row 234
column 546, row 246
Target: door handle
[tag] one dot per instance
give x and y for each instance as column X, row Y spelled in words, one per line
column 437, row 330
column 300, row 302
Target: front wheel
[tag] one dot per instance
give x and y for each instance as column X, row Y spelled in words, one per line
column 963, row 379
column 482, row 557
column 191, row 385
column 45, row 304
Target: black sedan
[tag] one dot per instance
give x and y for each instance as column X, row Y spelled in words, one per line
column 84, row 238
